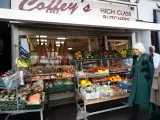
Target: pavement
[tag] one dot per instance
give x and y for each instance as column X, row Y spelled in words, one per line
column 69, row 112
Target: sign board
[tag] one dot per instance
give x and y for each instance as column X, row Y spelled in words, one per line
column 89, row 8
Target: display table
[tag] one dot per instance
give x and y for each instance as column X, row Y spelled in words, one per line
column 82, row 106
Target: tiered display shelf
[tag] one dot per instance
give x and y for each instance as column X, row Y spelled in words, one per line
column 56, row 92
column 82, row 102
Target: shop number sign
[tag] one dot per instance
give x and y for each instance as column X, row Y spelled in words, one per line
column 106, row 10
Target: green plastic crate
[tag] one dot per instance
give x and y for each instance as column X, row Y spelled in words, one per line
column 11, row 105
column 38, row 106
column 59, row 89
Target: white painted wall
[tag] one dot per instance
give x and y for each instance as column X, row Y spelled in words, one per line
column 145, row 38
column 145, row 13
column 145, row 9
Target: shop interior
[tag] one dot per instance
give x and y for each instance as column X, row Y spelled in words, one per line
column 50, row 49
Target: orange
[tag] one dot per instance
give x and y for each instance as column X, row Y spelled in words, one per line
column 115, row 79
column 117, row 76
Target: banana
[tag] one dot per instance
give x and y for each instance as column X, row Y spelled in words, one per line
column 16, row 60
column 18, row 66
column 23, row 62
column 19, row 63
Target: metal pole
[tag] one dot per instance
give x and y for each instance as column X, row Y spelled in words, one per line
column 17, row 96
column 41, row 114
column 7, row 117
column 17, row 81
column 107, row 110
column 85, row 111
column 77, row 103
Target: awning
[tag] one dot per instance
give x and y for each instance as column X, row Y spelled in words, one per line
column 48, row 18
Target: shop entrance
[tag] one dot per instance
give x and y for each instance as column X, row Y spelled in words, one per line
column 53, row 51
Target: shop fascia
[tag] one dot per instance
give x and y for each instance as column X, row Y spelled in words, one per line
column 101, row 9
column 76, row 12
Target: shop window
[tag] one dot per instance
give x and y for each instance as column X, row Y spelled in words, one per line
column 5, row 4
column 48, row 51
column 156, row 14
column 121, row 45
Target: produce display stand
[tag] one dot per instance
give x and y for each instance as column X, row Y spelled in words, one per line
column 82, row 106
column 57, row 91
column 17, row 109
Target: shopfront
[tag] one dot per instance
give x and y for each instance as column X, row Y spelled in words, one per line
column 81, row 13
column 91, row 37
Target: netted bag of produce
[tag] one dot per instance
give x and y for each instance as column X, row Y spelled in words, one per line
column 105, row 91
column 10, row 82
column 89, row 92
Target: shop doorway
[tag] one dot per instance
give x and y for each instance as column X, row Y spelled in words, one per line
column 5, row 47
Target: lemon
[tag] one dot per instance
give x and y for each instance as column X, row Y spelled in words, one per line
column 83, row 82
column 89, row 83
column 86, row 79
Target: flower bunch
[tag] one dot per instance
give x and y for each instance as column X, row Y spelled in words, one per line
column 78, row 54
column 129, row 53
column 123, row 52
column 86, row 54
column 105, row 53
